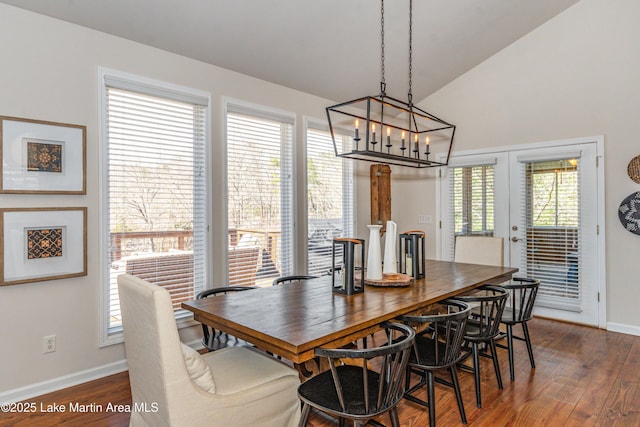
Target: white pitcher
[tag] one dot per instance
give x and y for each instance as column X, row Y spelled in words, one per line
column 374, row 258
column 390, row 265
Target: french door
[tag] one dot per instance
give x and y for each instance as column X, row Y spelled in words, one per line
column 545, row 202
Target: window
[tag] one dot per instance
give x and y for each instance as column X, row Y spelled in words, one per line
column 471, row 201
column 154, row 218
column 259, row 195
column 329, row 198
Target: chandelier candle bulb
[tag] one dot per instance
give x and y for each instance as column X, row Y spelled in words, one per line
column 389, row 139
column 357, row 131
column 427, row 142
column 373, row 131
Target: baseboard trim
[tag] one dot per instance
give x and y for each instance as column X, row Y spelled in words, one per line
column 55, row 384
column 622, row 328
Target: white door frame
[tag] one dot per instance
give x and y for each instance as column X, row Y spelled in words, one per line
column 467, row 157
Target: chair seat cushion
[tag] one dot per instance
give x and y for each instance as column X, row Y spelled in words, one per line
column 198, row 369
column 237, row 369
column 320, row 390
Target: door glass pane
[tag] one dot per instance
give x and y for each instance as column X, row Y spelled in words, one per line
column 472, row 202
column 552, row 218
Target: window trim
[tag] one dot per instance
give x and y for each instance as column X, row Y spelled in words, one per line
column 152, row 87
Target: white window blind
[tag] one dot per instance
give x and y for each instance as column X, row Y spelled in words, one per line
column 471, row 202
column 552, row 219
column 259, row 196
column 155, row 192
column 329, row 198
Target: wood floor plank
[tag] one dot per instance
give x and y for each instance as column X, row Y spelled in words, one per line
column 584, row 377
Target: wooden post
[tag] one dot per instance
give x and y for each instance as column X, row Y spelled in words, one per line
column 380, row 181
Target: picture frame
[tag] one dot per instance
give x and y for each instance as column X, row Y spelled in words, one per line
column 41, row 157
column 38, row 244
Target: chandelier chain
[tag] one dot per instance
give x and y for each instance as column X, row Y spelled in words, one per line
column 383, row 84
column 410, row 94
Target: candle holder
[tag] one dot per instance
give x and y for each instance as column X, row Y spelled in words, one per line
column 411, row 254
column 344, row 280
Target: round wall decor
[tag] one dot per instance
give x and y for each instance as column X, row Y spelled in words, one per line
column 629, row 213
column 634, row 169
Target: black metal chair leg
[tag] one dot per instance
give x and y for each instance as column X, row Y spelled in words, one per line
column 510, row 351
column 476, row 373
column 496, row 362
column 527, row 339
column 456, row 388
column 395, row 421
column 431, row 397
column 304, row 417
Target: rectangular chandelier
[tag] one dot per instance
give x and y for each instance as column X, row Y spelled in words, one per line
column 387, row 130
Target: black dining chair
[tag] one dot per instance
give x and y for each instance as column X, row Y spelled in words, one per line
column 487, row 304
column 437, row 347
column 212, row 339
column 522, row 293
column 361, row 384
column 289, row 279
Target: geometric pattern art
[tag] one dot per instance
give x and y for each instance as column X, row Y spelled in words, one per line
column 44, row 157
column 44, row 243
column 629, row 213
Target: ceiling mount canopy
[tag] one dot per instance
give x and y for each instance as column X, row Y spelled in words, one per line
column 384, row 129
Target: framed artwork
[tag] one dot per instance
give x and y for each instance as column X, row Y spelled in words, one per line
column 42, row 244
column 42, row 157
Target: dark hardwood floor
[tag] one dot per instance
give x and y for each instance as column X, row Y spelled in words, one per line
column 583, row 377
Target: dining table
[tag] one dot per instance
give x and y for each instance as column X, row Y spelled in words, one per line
column 292, row 320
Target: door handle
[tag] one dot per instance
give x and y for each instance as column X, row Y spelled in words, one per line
column 515, row 239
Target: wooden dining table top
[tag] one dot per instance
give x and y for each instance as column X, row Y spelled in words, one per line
column 292, row 320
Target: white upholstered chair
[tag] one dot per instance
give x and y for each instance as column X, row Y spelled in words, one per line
column 236, row 386
column 480, row 250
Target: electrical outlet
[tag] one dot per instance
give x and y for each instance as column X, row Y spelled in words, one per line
column 49, row 344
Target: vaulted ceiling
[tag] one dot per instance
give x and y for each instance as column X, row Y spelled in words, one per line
column 329, row 48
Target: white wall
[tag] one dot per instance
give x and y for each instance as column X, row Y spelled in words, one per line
column 576, row 75
column 49, row 71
